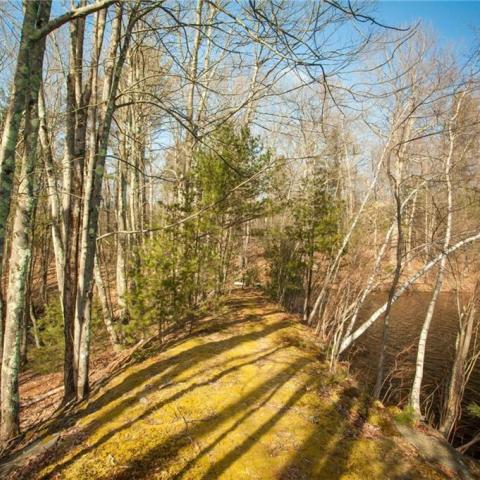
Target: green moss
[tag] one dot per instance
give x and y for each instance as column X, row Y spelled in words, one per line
column 382, row 418
column 250, row 400
column 406, row 416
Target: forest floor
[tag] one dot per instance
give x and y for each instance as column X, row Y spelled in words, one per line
column 247, row 396
column 41, row 385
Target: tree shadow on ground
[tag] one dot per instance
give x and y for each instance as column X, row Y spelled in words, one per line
column 332, row 452
column 165, row 371
column 166, row 451
column 324, row 453
column 160, row 405
column 212, row 326
column 327, row 449
column 172, row 366
column 218, row 468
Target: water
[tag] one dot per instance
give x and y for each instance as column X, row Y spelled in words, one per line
column 407, row 317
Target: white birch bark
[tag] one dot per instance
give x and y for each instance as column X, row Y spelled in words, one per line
column 395, row 178
column 348, row 340
column 371, row 283
column 415, row 394
column 346, row 239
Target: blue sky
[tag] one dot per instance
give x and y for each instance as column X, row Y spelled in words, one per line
column 453, row 21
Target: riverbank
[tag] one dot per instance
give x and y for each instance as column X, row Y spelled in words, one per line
column 247, row 395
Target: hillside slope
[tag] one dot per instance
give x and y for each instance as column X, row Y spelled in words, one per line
column 245, row 397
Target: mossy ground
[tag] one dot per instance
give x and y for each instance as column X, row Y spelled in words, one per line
column 247, row 397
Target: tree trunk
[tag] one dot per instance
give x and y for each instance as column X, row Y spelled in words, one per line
column 244, row 252
column 37, row 13
column 106, row 310
column 386, row 319
column 92, row 196
column 348, row 340
column 344, row 332
column 456, row 388
column 78, row 99
column 23, row 336
column 17, row 283
column 411, row 222
column 121, row 281
column 415, row 394
column 33, row 318
column 346, row 239
column 308, row 290
column 53, row 196
column 73, row 173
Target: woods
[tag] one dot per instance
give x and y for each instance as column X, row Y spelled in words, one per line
column 156, row 155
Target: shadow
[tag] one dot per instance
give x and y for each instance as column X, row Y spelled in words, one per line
column 158, row 406
column 218, row 468
column 325, row 452
column 438, row 452
column 171, row 367
column 330, row 451
column 141, row 467
column 164, row 372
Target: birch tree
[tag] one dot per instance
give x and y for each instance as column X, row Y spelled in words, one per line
column 417, row 382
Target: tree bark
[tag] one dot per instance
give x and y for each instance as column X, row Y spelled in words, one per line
column 422, row 342
column 348, row 340
column 121, row 282
column 386, row 319
column 36, row 14
column 346, row 239
column 17, row 283
column 78, row 100
column 78, row 97
column 33, row 318
column 106, row 310
column 53, row 196
column 92, row 196
column 454, row 396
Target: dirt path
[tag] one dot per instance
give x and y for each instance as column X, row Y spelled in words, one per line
column 246, row 397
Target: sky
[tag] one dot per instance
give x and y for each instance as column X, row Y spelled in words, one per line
column 453, row 21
